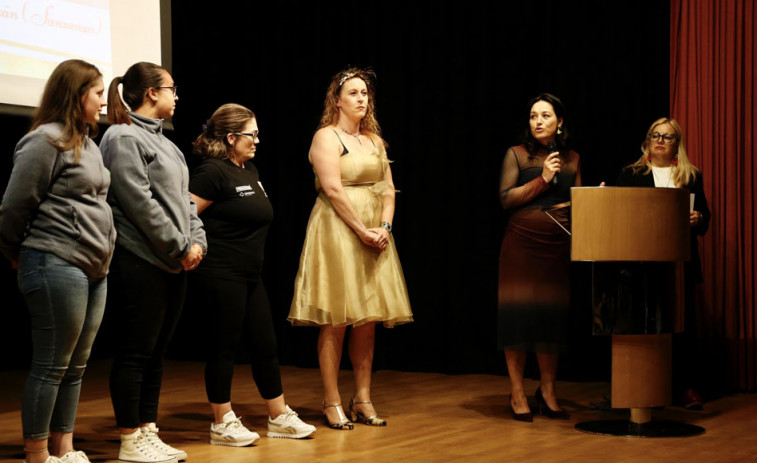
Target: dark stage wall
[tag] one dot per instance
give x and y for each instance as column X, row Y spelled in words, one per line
column 452, row 88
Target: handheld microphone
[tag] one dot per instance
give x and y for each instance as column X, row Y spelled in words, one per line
column 552, row 148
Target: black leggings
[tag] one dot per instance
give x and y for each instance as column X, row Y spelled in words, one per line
column 146, row 305
column 234, row 307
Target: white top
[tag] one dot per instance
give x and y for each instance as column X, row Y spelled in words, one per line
column 663, row 177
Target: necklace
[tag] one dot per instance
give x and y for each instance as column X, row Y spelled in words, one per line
column 356, row 134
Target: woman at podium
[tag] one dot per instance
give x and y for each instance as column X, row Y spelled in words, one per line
column 534, row 281
column 665, row 164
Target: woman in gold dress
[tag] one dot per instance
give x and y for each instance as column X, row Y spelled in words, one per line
column 350, row 274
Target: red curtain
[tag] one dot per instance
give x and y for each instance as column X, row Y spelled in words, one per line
column 712, row 83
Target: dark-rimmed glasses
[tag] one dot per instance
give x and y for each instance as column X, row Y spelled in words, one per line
column 668, row 138
column 173, row 89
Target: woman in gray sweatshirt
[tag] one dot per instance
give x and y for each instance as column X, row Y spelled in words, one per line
column 57, row 229
column 159, row 238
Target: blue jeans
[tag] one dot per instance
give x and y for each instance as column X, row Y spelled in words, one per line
column 66, row 308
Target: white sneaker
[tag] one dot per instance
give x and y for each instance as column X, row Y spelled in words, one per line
column 136, row 448
column 75, row 456
column 151, row 435
column 51, row 459
column 289, row 425
column 231, row 432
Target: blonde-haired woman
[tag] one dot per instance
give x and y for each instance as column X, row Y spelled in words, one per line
column 665, row 164
column 57, row 228
column 664, row 157
column 350, row 274
column 236, row 212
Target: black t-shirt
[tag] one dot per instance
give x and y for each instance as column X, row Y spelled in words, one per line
column 236, row 223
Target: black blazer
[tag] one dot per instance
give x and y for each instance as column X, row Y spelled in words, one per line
column 693, row 268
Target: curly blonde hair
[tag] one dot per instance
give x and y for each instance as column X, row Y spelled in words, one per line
column 330, row 115
column 684, row 171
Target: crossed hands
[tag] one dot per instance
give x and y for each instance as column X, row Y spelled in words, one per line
column 377, row 238
column 193, row 258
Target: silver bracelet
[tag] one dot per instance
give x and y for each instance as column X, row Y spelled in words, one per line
column 386, row 226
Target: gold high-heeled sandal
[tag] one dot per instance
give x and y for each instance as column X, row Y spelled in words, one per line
column 361, row 418
column 343, row 424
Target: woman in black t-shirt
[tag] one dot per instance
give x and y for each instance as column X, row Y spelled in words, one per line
column 236, row 212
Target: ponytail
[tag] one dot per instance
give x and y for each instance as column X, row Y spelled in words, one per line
column 136, row 81
column 118, row 113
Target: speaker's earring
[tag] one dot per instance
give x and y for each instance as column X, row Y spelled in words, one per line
column 559, row 130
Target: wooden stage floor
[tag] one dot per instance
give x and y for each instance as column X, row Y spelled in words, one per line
column 432, row 418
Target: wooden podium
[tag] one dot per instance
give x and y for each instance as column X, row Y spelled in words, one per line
column 636, row 239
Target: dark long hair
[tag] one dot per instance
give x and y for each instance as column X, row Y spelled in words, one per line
column 62, row 103
column 533, row 146
column 139, row 78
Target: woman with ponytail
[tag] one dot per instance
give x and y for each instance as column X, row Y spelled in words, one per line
column 236, row 212
column 57, row 229
column 160, row 237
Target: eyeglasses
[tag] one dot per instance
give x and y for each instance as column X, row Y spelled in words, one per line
column 253, row 134
column 669, row 138
column 173, row 89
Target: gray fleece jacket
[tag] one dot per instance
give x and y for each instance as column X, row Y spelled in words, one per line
column 54, row 205
column 155, row 217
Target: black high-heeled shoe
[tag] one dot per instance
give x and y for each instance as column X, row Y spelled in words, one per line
column 527, row 417
column 544, row 409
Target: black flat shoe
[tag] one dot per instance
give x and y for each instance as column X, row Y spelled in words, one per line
column 544, row 409
column 527, row 417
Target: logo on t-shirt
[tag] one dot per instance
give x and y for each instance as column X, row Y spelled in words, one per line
column 245, row 190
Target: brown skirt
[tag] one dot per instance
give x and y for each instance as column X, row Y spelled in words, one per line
column 534, row 283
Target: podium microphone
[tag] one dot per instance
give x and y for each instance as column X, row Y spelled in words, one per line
column 552, row 148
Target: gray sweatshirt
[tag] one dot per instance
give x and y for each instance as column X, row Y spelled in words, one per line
column 149, row 193
column 53, row 205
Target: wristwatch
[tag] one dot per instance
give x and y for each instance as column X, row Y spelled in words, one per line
column 386, row 226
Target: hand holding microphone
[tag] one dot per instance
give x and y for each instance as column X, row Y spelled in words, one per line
column 552, row 163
